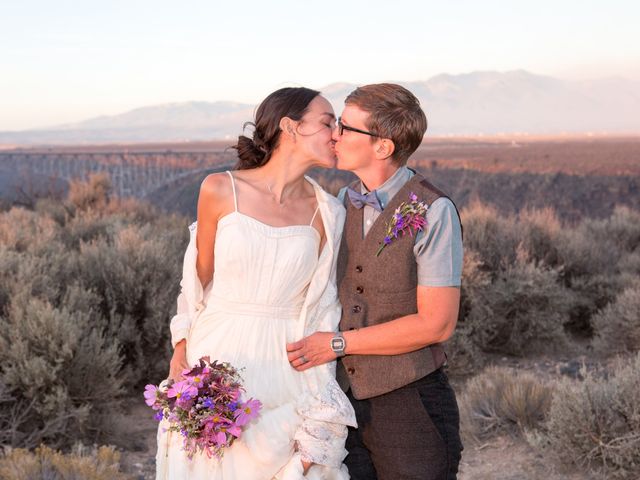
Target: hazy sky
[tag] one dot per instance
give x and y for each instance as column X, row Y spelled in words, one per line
column 65, row 61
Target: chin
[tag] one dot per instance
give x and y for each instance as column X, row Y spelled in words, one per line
column 342, row 164
column 328, row 163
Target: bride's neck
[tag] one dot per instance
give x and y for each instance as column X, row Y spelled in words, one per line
column 283, row 176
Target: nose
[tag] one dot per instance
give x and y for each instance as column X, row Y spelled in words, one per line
column 335, row 134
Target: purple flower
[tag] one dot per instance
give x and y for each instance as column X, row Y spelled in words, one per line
column 247, row 412
column 408, row 218
column 158, row 416
column 208, row 403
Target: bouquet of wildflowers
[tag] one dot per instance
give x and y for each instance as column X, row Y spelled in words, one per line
column 206, row 407
column 408, row 218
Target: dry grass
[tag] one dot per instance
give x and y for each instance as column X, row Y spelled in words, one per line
column 502, row 400
column 595, row 423
column 101, row 463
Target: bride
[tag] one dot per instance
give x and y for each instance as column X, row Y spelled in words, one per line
column 259, row 272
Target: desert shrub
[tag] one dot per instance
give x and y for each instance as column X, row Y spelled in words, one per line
column 592, row 255
column 617, row 326
column 491, row 235
column 93, row 193
column 595, row 246
column 463, row 354
column 595, row 423
column 86, row 296
column 584, row 254
column 22, row 229
column 60, row 373
column 97, row 463
column 538, row 233
column 622, row 228
column 136, row 275
column 502, row 400
column 592, row 261
column 522, row 310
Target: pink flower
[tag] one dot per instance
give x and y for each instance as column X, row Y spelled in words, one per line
column 247, row 412
column 220, row 438
column 183, row 392
column 205, row 407
column 197, row 381
column 151, row 395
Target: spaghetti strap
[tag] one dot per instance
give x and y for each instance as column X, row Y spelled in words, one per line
column 314, row 214
column 233, row 187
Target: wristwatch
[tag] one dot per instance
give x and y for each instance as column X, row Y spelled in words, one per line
column 338, row 344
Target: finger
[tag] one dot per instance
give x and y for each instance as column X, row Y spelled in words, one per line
column 297, row 361
column 304, row 366
column 294, row 355
column 295, row 345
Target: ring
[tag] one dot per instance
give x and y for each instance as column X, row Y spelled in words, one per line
column 304, row 360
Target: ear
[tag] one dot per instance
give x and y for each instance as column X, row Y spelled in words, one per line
column 288, row 127
column 384, row 148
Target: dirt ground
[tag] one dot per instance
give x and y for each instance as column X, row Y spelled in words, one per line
column 501, row 458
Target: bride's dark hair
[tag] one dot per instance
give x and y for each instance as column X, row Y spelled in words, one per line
column 292, row 102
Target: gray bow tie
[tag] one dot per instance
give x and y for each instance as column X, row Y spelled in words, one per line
column 359, row 200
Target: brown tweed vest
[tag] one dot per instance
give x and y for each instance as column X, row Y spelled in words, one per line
column 376, row 289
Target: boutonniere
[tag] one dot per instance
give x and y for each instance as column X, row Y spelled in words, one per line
column 409, row 218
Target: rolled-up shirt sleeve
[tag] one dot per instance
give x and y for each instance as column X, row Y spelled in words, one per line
column 438, row 249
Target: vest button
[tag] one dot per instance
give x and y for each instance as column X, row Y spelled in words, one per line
column 359, row 268
column 356, row 309
column 351, row 370
column 359, row 290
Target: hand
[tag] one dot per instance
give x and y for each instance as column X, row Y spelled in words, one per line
column 311, row 351
column 178, row 361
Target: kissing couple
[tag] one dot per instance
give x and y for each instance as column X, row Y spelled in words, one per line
column 335, row 309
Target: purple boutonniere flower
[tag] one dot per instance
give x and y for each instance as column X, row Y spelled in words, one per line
column 409, row 218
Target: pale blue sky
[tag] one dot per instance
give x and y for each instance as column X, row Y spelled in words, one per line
column 65, row 61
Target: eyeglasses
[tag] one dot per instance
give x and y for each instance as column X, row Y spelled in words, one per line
column 342, row 127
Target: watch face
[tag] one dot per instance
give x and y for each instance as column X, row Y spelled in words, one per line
column 337, row 344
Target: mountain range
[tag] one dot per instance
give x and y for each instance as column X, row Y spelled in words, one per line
column 476, row 103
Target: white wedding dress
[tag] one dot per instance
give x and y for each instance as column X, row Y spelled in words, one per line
column 256, row 303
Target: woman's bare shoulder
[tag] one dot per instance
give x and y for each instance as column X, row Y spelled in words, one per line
column 216, row 196
column 216, row 186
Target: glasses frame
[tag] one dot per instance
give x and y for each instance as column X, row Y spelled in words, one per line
column 342, row 127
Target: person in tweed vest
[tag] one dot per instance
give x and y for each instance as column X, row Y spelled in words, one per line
column 398, row 275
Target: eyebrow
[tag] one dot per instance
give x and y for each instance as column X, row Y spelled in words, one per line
column 329, row 114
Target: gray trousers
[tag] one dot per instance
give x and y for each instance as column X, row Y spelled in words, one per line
column 408, row 434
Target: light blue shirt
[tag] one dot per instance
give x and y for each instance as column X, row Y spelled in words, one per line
column 438, row 248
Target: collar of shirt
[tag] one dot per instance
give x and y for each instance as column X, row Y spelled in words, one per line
column 393, row 184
